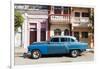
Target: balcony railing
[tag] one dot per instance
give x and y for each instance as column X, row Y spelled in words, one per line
column 82, row 24
column 59, row 18
column 80, row 19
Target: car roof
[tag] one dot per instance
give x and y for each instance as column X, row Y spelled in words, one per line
column 64, row 37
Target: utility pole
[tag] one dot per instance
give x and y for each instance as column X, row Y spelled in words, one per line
column 70, row 24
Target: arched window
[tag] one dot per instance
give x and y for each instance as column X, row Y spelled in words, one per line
column 66, row 32
column 57, row 32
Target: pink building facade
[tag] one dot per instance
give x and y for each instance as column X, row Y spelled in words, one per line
column 35, row 26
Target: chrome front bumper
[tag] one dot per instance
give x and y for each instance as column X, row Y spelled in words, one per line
column 28, row 54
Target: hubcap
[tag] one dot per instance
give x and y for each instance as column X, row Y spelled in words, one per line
column 74, row 53
column 36, row 54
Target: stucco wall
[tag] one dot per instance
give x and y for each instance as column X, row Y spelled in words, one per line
column 17, row 38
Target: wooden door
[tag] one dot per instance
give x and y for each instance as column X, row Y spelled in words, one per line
column 43, row 34
column 33, row 35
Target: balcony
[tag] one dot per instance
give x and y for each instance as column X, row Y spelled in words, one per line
column 80, row 19
column 59, row 19
column 81, row 24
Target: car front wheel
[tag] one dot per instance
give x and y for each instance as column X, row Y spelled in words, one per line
column 36, row 54
column 74, row 53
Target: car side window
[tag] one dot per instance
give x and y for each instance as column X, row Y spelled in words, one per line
column 65, row 39
column 55, row 40
column 68, row 39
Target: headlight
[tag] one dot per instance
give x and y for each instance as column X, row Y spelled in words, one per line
column 28, row 48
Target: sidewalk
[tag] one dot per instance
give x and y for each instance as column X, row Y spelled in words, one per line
column 19, row 51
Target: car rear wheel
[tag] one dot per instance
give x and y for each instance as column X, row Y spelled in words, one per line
column 36, row 54
column 74, row 53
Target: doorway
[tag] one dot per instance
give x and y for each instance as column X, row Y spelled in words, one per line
column 33, row 32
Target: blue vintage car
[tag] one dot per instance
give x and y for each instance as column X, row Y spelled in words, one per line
column 57, row 45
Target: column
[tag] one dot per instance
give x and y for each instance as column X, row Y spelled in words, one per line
column 52, row 10
column 72, row 31
column 46, row 30
column 62, row 10
column 28, row 34
column 24, row 32
column 62, row 32
column 48, row 37
column 38, row 31
column 80, row 36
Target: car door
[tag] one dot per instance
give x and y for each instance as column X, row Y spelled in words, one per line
column 55, row 46
column 64, row 44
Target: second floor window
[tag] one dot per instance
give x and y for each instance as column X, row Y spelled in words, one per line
column 84, row 34
column 41, row 7
column 67, row 10
column 57, row 10
column 20, row 6
column 77, row 14
column 84, row 14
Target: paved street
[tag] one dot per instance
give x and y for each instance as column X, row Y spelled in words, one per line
column 87, row 56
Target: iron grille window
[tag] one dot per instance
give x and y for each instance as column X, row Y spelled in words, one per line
column 67, row 10
column 84, row 14
column 76, row 34
column 84, row 34
column 77, row 14
column 57, row 10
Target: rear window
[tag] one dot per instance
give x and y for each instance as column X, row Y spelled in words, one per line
column 72, row 40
